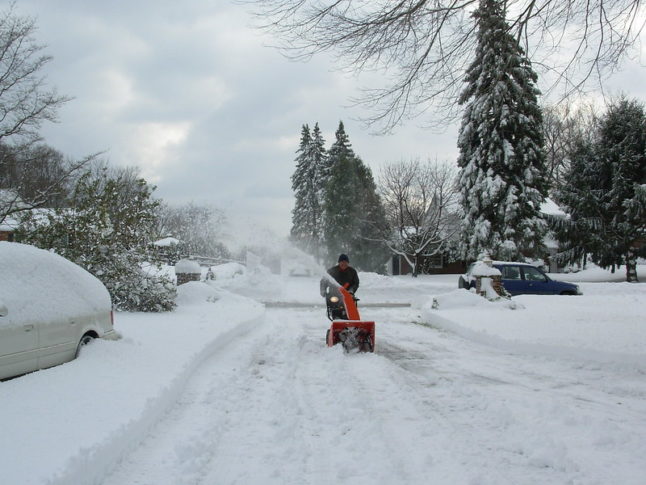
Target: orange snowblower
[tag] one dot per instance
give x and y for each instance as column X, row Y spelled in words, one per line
column 347, row 328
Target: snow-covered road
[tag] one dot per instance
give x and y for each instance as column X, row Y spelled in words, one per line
column 278, row 407
column 225, row 390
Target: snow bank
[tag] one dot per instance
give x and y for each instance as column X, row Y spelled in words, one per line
column 228, row 271
column 595, row 274
column 117, row 390
column 604, row 325
column 166, row 242
column 462, row 299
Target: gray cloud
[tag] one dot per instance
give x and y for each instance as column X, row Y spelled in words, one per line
column 190, row 93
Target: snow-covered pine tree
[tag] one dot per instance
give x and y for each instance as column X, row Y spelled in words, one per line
column 353, row 213
column 301, row 225
column 579, row 233
column 306, row 216
column 606, row 194
column 318, row 156
column 502, row 178
column 622, row 158
column 370, row 250
column 340, row 209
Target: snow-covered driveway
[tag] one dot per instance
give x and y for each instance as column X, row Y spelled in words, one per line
column 276, row 406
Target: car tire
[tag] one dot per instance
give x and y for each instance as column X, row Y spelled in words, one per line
column 85, row 340
column 568, row 293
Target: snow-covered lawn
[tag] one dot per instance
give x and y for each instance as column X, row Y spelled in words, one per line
column 224, row 390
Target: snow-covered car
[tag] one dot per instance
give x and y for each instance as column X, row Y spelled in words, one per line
column 49, row 309
column 523, row 279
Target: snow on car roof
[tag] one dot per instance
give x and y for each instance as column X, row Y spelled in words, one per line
column 37, row 285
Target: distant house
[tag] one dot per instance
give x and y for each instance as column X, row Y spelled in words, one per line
column 9, row 201
column 430, row 264
column 7, row 229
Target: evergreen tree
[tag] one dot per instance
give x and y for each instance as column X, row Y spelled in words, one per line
column 502, row 177
column 580, row 231
column 607, row 194
column 353, row 213
column 622, row 152
column 300, row 214
column 319, row 157
column 306, row 216
column 371, row 252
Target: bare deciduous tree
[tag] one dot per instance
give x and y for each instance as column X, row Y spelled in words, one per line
column 198, row 227
column 25, row 103
column 426, row 45
column 420, row 202
column 35, row 176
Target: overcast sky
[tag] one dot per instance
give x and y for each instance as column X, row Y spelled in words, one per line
column 191, row 93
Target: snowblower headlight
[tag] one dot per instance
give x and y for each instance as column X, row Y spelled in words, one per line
column 334, row 299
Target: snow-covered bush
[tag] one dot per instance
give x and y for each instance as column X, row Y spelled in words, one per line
column 107, row 232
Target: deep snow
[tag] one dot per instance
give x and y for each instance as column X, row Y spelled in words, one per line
column 548, row 389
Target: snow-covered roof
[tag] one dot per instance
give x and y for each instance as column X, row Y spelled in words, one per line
column 167, row 241
column 9, row 224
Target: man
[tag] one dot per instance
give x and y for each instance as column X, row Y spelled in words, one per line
column 344, row 274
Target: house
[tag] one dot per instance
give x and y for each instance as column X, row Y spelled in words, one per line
column 9, row 201
column 430, row 264
column 7, row 229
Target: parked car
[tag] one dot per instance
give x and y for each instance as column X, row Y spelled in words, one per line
column 523, row 279
column 49, row 309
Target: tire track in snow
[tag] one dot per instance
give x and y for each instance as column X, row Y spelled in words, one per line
column 212, row 409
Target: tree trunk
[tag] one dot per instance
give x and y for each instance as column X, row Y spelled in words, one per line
column 631, row 267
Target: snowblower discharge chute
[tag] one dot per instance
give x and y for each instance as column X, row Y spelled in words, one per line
column 347, row 328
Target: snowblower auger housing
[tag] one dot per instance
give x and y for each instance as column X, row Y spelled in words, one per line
column 347, row 327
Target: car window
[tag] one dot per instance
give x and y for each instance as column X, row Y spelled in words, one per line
column 533, row 274
column 510, row 273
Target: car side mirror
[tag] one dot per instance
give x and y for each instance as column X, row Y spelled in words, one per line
column 4, row 311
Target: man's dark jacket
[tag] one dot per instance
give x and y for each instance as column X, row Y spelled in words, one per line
column 342, row 277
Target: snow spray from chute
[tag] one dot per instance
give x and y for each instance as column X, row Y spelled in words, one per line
column 347, row 328
column 354, row 334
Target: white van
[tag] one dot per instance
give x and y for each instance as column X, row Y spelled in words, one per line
column 49, row 309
